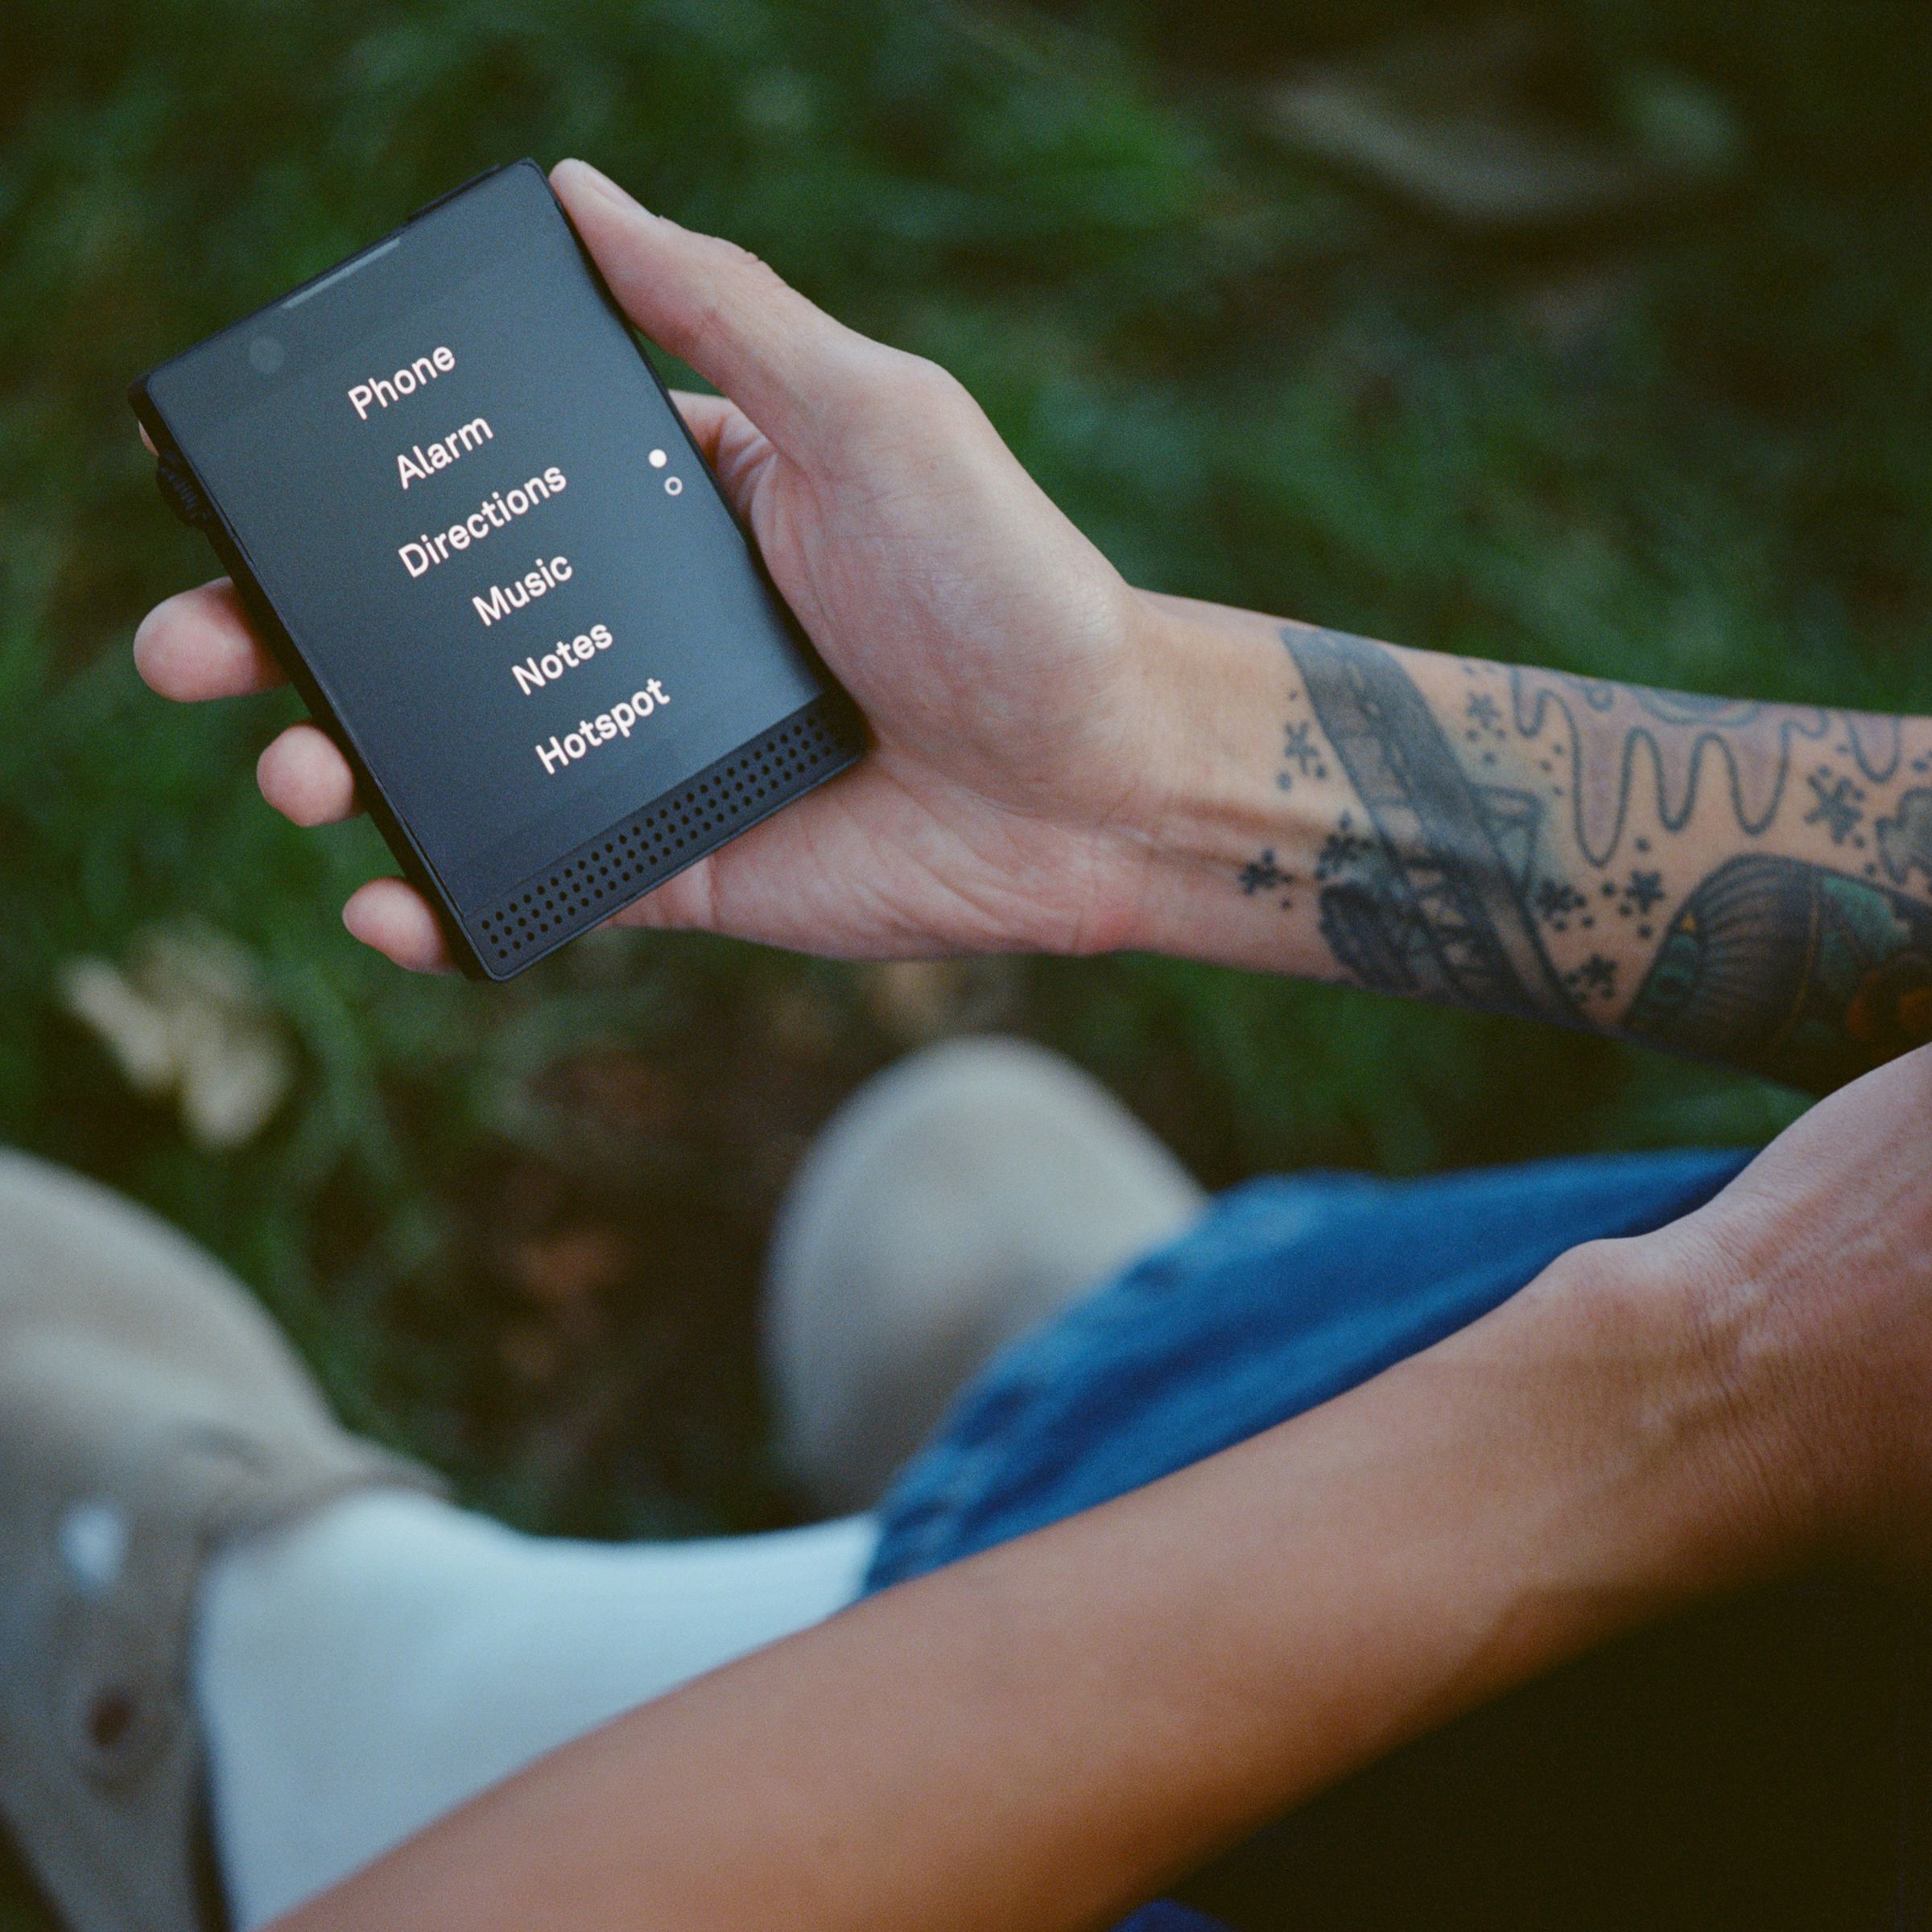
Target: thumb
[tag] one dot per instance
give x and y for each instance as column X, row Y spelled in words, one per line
column 780, row 358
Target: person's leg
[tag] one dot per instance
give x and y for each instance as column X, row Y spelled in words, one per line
column 362, row 1665
column 264, row 1604
column 211, row 1598
column 960, row 1198
column 929, row 1211
column 1762, row 1764
column 1289, row 1292
column 362, row 1671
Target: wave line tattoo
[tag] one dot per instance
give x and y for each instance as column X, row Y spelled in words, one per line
column 1617, row 730
column 1443, row 886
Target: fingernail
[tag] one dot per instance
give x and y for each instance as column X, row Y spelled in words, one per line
column 600, row 182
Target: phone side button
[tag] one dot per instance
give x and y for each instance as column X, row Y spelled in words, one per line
column 182, row 493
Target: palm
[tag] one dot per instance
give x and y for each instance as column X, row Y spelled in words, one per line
column 987, row 642
column 993, row 650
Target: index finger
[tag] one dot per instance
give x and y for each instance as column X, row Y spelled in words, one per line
column 198, row 645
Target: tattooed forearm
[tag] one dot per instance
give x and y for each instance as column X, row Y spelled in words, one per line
column 1430, row 895
column 1748, row 883
column 1803, row 972
column 1629, row 746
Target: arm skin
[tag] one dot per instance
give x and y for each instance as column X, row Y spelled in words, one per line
column 1037, row 1738
column 1004, row 1745
column 1062, row 764
column 1747, row 883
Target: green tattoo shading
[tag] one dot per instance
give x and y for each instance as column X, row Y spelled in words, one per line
column 1439, row 882
column 1810, row 975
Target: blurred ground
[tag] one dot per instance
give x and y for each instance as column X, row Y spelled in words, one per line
column 1598, row 333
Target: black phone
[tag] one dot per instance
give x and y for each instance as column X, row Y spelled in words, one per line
column 459, row 503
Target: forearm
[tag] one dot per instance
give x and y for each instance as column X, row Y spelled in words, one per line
column 1748, row 883
column 1041, row 1736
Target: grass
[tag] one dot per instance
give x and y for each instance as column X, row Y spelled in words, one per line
column 516, row 1230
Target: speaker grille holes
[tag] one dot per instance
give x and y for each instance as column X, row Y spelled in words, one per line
column 625, row 862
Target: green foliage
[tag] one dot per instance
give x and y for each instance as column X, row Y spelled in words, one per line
column 1689, row 449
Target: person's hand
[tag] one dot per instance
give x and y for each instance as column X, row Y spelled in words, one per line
column 1002, row 663
column 1808, row 1283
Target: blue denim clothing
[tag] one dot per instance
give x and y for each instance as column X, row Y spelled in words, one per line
column 1287, row 1293
column 1290, row 1292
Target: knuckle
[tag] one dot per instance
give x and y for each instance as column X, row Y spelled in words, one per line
column 891, row 391
column 730, row 281
column 742, row 265
column 737, row 253
column 931, row 387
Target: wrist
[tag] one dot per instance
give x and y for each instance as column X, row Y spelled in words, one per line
column 1713, row 1381
column 1212, row 686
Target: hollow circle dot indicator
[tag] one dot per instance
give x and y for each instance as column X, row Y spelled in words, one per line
column 658, row 459
column 673, row 486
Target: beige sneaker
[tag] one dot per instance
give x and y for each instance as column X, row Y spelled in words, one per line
column 955, row 1201
column 149, row 1411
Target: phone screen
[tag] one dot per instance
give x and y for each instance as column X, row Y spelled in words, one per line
column 482, row 525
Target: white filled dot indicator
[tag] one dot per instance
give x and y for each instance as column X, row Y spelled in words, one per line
column 658, row 459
